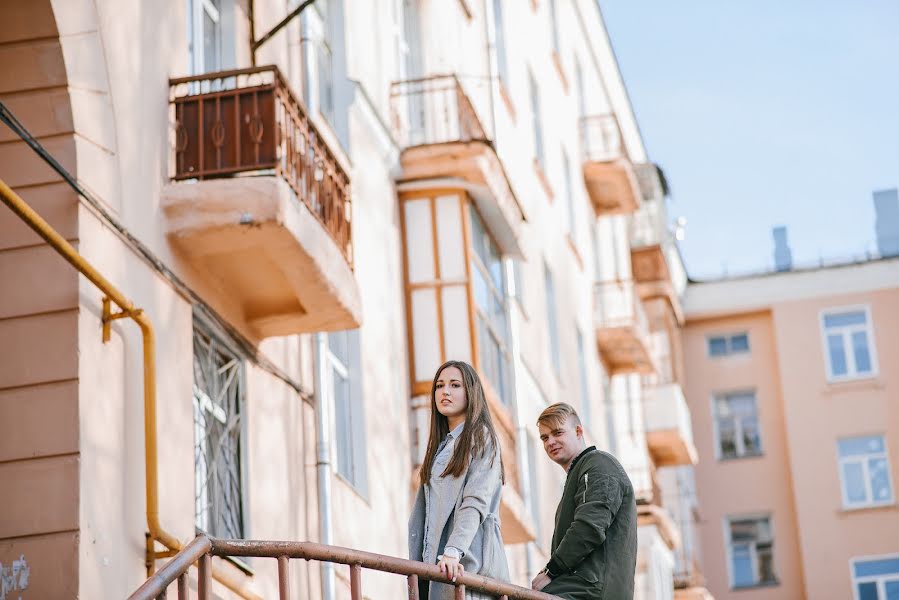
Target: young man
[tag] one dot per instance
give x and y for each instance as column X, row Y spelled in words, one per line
column 594, row 545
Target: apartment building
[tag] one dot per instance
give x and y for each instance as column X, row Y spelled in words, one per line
column 307, row 224
column 790, row 382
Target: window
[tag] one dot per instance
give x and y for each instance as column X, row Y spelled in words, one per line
column 848, row 340
column 586, row 409
column 551, row 325
column 864, row 471
column 737, row 425
column 536, row 120
column 581, row 100
column 554, row 25
column 534, row 486
column 349, row 413
column 218, row 401
column 876, row 578
column 751, row 550
column 726, row 345
column 324, row 61
column 571, row 223
column 205, row 36
column 518, row 279
column 611, row 429
column 502, row 65
column 490, row 303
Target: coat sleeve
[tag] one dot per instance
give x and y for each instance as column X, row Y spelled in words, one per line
column 598, row 497
column 483, row 480
column 417, row 525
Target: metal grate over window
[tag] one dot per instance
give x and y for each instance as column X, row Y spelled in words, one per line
column 217, row 400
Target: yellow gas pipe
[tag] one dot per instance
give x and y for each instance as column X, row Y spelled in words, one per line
column 127, row 309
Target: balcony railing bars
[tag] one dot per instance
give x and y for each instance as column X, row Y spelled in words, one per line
column 203, row 548
column 601, row 138
column 617, row 305
column 247, row 121
column 436, row 110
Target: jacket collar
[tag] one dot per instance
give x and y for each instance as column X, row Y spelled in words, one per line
column 578, row 457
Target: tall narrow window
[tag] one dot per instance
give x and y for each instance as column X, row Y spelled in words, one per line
column 865, row 471
column 554, row 25
column 751, row 547
column 534, row 485
column 581, row 102
column 218, row 401
column 490, row 303
column 536, row 120
column 325, row 66
column 499, row 36
column 569, row 197
column 876, row 578
column 205, row 36
column 586, row 409
column 611, row 413
column 349, row 410
column 737, row 425
column 551, row 324
column 849, row 347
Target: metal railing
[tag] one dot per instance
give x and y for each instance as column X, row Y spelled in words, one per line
column 434, row 110
column 203, row 548
column 617, row 305
column 248, row 120
column 601, row 138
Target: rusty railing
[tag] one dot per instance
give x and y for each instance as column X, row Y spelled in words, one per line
column 601, row 138
column 203, row 548
column 247, row 121
column 436, row 110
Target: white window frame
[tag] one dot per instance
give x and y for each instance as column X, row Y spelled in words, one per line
column 728, row 337
column 880, row 580
column 870, row 502
column 351, row 372
column 728, row 547
column 868, row 328
column 741, row 455
column 551, row 301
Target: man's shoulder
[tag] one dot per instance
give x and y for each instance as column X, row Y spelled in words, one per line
column 605, row 464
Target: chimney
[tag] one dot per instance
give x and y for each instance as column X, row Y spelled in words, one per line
column 783, row 257
column 886, row 221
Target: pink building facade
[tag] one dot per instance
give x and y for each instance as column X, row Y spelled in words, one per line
column 792, row 385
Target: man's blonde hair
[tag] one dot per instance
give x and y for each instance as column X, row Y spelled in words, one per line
column 557, row 415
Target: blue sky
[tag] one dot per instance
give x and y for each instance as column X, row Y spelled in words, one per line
column 764, row 113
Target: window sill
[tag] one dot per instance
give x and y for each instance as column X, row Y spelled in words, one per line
column 846, row 384
column 852, row 510
column 544, row 182
column 560, row 70
column 507, row 100
column 577, row 254
column 754, row 586
column 728, row 459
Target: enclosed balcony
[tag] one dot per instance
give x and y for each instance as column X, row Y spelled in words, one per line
column 669, row 429
column 447, row 145
column 259, row 205
column 608, row 171
column 655, row 259
column 622, row 331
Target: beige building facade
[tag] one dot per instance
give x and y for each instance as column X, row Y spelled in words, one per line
column 308, row 228
column 791, row 386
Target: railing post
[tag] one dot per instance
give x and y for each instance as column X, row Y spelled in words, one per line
column 460, row 592
column 356, row 582
column 183, row 593
column 283, row 578
column 204, row 583
column 412, row 584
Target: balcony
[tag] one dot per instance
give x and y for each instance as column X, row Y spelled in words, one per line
column 259, row 206
column 655, row 260
column 669, row 430
column 445, row 144
column 622, row 331
column 608, row 171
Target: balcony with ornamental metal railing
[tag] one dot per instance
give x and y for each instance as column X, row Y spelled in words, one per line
column 447, row 142
column 622, row 330
column 608, row 171
column 260, row 204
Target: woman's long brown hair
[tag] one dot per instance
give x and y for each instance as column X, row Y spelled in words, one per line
column 477, row 435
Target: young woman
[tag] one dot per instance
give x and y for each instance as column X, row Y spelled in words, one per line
column 455, row 519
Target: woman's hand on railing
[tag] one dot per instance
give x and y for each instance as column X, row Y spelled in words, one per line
column 450, row 566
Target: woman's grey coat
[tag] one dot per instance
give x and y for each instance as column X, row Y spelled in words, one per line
column 468, row 509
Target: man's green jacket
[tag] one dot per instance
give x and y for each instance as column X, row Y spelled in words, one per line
column 594, row 546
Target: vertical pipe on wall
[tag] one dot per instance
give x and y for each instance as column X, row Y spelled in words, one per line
column 323, row 456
